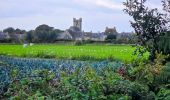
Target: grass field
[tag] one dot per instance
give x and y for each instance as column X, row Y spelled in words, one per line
column 85, row 52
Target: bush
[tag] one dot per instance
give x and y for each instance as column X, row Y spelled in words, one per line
column 163, row 94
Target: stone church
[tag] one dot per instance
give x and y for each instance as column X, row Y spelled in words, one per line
column 75, row 33
column 77, row 23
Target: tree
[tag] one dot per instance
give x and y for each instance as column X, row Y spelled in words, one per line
column 166, row 5
column 9, row 30
column 164, row 45
column 148, row 25
column 111, row 37
column 45, row 33
column 29, row 36
column 19, row 31
column 41, row 33
column 166, row 8
column 58, row 31
column 44, row 27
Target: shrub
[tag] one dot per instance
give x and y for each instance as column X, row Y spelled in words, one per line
column 163, row 94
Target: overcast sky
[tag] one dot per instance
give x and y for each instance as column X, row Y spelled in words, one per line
column 96, row 14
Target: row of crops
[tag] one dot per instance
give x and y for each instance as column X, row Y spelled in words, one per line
column 51, row 79
column 23, row 67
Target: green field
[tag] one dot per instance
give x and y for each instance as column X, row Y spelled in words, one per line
column 85, row 52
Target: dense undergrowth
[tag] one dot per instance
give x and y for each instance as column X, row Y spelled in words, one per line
column 40, row 79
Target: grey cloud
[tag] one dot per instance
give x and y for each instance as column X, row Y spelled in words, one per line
column 27, row 14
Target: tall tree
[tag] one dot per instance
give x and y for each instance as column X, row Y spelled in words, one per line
column 19, row 31
column 41, row 33
column 148, row 25
column 45, row 33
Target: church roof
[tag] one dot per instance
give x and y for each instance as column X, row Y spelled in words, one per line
column 74, row 28
column 75, row 34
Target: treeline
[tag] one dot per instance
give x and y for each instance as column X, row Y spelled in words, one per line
column 46, row 34
column 41, row 34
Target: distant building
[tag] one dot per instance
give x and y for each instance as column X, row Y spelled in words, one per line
column 111, row 31
column 125, row 35
column 77, row 23
column 65, row 36
column 11, row 36
column 75, row 33
column 94, row 36
column 4, row 36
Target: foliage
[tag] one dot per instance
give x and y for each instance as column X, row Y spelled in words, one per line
column 29, row 36
column 155, row 75
column 147, row 23
column 111, row 37
column 25, row 67
column 164, row 45
column 74, row 86
column 34, row 79
column 166, row 5
column 45, row 34
column 42, row 34
column 13, row 35
column 145, row 72
column 9, row 30
column 84, row 83
column 31, row 87
column 70, row 80
column 164, row 94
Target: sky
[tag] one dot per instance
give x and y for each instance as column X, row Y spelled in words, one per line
column 96, row 14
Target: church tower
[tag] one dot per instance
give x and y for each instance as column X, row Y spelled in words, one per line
column 77, row 23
